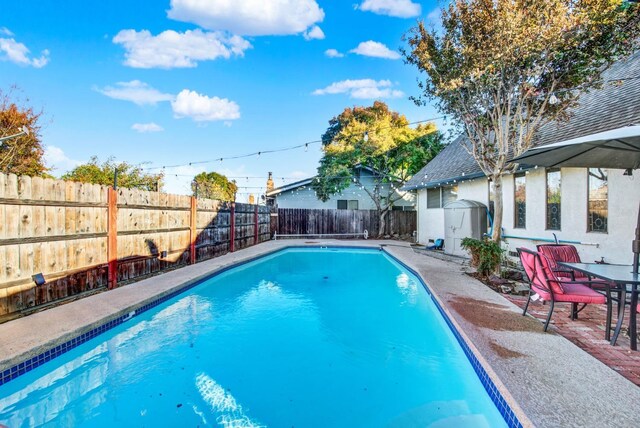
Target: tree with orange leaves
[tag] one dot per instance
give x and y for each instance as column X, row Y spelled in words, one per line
column 23, row 154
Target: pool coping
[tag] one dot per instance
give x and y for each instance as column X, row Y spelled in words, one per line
column 21, row 363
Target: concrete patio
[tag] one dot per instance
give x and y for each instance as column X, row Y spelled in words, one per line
column 547, row 379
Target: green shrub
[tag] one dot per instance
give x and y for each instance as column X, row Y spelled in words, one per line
column 485, row 254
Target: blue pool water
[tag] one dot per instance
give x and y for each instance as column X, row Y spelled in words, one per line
column 300, row 338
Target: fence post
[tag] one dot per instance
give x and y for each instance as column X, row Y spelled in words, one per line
column 112, row 238
column 193, row 232
column 256, row 227
column 232, row 228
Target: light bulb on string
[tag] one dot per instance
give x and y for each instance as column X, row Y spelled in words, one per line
column 306, row 147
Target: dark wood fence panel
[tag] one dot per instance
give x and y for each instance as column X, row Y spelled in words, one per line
column 62, row 230
column 297, row 221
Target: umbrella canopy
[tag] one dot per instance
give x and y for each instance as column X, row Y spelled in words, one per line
column 618, row 149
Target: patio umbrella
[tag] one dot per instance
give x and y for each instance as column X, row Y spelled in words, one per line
column 617, row 149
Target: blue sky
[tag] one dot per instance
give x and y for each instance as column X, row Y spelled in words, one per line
column 176, row 81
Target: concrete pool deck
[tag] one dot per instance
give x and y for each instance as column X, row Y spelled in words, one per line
column 547, row 380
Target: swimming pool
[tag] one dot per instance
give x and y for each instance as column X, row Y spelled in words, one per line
column 303, row 337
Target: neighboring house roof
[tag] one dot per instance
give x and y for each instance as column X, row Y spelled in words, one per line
column 613, row 106
column 290, row 186
column 306, row 182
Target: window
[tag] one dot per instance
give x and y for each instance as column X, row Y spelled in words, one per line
column 402, row 208
column 554, row 178
column 433, row 198
column 449, row 194
column 520, row 200
column 440, row 196
column 598, row 202
column 344, row 204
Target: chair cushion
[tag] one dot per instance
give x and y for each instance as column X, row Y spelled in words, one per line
column 544, row 294
column 561, row 253
column 578, row 293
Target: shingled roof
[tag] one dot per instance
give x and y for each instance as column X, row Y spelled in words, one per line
column 613, row 106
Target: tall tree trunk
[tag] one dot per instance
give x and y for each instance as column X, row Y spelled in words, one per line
column 383, row 215
column 497, row 207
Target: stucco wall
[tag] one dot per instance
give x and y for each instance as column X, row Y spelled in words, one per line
column 305, row 197
column 614, row 246
column 430, row 220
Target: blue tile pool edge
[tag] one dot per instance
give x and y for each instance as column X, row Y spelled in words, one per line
column 21, row 368
column 501, row 403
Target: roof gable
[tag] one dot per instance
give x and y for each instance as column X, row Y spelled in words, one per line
column 612, row 106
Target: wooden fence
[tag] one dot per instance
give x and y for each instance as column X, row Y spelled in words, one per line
column 293, row 221
column 84, row 237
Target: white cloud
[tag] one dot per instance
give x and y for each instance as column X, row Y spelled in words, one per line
column 171, row 49
column 202, row 108
column 375, row 49
column 434, row 19
column 333, row 53
column 177, row 180
column 362, row 89
column 397, row 8
column 18, row 53
column 135, row 91
column 147, row 127
column 314, row 32
column 249, row 17
column 55, row 158
column 435, row 15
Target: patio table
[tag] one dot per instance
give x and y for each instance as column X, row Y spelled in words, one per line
column 623, row 276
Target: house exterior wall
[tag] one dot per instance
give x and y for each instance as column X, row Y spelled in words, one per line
column 614, row 246
column 430, row 220
column 305, row 197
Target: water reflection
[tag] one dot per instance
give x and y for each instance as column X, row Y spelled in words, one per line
column 55, row 394
column 407, row 287
column 223, row 404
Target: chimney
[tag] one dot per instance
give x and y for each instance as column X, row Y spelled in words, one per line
column 270, row 182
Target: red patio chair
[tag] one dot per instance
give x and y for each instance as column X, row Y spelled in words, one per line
column 542, row 281
column 563, row 253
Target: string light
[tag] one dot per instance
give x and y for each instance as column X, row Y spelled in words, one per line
column 284, row 149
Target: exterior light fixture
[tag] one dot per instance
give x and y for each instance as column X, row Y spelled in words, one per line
column 39, row 279
column 23, row 131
